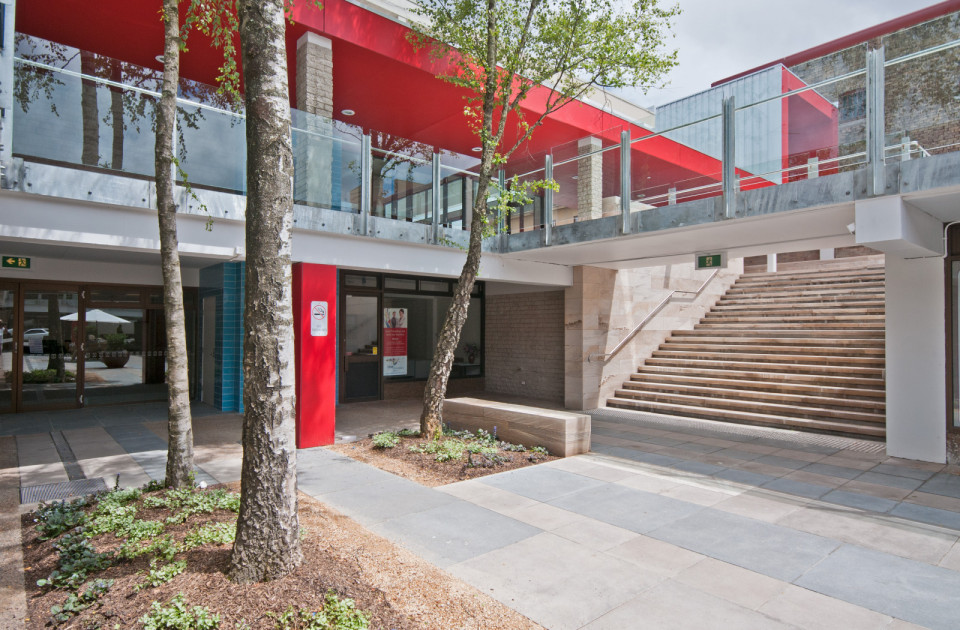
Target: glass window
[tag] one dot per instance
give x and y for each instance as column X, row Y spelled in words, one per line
column 356, row 280
column 955, row 282
column 435, row 286
column 400, row 284
column 116, row 295
column 423, row 316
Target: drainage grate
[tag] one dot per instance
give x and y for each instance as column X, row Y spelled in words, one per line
column 62, row 490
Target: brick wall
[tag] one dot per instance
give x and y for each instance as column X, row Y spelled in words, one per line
column 523, row 345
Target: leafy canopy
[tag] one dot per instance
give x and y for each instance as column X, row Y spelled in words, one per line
column 501, row 50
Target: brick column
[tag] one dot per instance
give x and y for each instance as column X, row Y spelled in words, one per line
column 317, row 171
column 589, row 180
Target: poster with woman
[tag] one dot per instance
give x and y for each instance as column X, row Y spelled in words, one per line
column 394, row 342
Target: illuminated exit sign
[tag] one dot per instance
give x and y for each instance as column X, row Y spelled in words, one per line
column 16, row 262
column 711, row 261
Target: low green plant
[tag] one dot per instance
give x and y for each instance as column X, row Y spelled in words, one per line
column 385, row 439
column 185, row 502
column 337, row 614
column 409, row 432
column 77, row 560
column 163, row 547
column 156, row 576
column 442, row 450
column 214, row 533
column 488, row 438
column 176, row 616
column 80, row 601
column 513, row 448
column 58, row 517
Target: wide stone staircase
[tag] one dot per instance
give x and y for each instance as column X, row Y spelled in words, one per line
column 801, row 349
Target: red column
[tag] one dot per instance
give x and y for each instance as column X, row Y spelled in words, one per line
column 315, row 344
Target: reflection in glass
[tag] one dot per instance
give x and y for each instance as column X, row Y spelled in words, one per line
column 8, row 328
column 49, row 341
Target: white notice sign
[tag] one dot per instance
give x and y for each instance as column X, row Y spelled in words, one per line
column 318, row 319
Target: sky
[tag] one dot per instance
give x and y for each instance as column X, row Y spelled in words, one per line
column 719, row 38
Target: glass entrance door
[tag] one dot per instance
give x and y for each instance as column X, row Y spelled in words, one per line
column 9, row 347
column 360, row 348
column 51, row 366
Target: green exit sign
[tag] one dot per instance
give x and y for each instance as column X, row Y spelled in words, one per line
column 16, row 262
column 711, row 261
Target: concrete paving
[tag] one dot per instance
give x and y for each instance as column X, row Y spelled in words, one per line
column 667, row 523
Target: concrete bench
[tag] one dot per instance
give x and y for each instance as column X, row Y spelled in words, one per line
column 563, row 433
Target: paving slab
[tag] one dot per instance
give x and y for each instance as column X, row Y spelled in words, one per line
column 564, row 585
column 943, row 483
column 809, row 610
column 769, row 549
column 906, row 589
column 732, row 583
column 453, row 532
column 675, row 606
column 630, row 509
column 541, row 483
column 656, row 555
column 873, row 531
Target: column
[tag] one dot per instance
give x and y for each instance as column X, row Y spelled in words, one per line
column 589, row 180
column 316, row 175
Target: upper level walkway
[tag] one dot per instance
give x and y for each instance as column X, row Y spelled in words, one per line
column 756, row 169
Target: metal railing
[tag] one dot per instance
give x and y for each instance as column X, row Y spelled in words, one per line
column 649, row 316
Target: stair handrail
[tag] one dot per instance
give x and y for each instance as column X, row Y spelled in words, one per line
column 643, row 322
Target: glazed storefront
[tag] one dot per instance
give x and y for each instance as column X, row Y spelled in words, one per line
column 73, row 345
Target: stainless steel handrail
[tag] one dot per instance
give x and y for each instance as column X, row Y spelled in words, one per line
column 649, row 316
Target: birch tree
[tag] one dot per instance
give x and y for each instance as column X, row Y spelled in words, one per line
column 179, row 421
column 267, row 545
column 502, row 51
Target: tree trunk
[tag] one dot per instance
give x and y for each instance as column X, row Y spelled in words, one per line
column 267, row 546
column 90, row 154
column 179, row 422
column 431, row 418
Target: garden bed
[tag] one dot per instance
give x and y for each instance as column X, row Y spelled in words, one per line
column 394, row 587
column 412, row 458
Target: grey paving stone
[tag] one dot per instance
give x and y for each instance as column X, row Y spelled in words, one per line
column 557, row 583
column 745, row 476
column 798, row 488
column 697, row 447
column 541, row 483
column 336, row 476
column 454, row 532
column 924, row 514
column 701, row 468
column 772, row 550
column 747, row 456
column 943, row 484
column 833, row 471
column 782, row 462
column 907, row 589
column 137, row 438
column 374, row 503
column 624, row 507
column 903, row 471
column 892, row 481
column 857, row 500
column 639, row 456
column 661, row 440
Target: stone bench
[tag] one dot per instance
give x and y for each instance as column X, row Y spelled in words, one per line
column 563, row 433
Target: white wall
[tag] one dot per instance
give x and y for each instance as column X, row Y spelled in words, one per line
column 916, row 359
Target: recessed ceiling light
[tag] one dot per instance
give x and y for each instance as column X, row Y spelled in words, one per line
column 347, row 112
column 477, row 149
column 159, row 58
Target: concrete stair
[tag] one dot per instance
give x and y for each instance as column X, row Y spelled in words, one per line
column 801, row 349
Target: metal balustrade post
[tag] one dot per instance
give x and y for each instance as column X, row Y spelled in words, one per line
column 625, row 182
column 875, row 121
column 502, row 181
column 435, row 198
column 548, row 200
column 728, row 167
column 366, row 176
